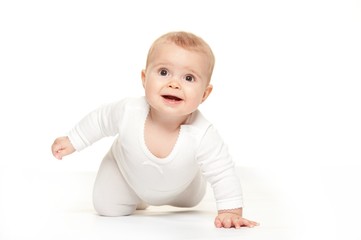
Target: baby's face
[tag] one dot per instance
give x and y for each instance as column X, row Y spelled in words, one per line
column 176, row 80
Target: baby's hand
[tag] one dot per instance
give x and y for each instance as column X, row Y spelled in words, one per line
column 231, row 219
column 62, row 147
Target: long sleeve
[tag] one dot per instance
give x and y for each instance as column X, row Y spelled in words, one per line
column 102, row 122
column 219, row 169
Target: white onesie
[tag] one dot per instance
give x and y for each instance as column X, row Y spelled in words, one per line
column 157, row 181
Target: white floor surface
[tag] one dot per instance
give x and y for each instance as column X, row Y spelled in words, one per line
column 289, row 203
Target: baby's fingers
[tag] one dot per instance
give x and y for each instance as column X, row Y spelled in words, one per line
column 247, row 223
column 56, row 149
column 218, row 223
column 62, row 147
column 227, row 222
column 237, row 222
column 223, row 223
column 59, row 154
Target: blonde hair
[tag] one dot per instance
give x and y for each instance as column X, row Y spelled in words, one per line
column 185, row 40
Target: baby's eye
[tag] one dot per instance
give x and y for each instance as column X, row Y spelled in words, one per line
column 163, row 72
column 189, row 78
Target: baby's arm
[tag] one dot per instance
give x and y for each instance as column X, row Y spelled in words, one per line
column 62, row 147
column 219, row 169
column 99, row 123
column 232, row 218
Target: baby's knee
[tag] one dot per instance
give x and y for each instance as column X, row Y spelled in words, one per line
column 113, row 210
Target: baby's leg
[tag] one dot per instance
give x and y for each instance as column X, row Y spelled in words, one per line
column 112, row 196
column 193, row 194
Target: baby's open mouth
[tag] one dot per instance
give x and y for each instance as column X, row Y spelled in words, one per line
column 172, row 98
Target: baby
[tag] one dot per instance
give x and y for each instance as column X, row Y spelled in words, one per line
column 165, row 149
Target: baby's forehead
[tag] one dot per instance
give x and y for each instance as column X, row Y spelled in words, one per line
column 162, row 47
column 170, row 51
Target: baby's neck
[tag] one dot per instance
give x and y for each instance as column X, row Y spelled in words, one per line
column 170, row 123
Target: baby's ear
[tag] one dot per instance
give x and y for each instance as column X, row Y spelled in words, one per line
column 143, row 77
column 207, row 92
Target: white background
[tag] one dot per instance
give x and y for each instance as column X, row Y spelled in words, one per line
column 286, row 82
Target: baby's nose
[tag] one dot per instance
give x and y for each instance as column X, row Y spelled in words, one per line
column 174, row 85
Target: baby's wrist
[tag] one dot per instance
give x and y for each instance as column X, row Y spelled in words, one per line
column 237, row 211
